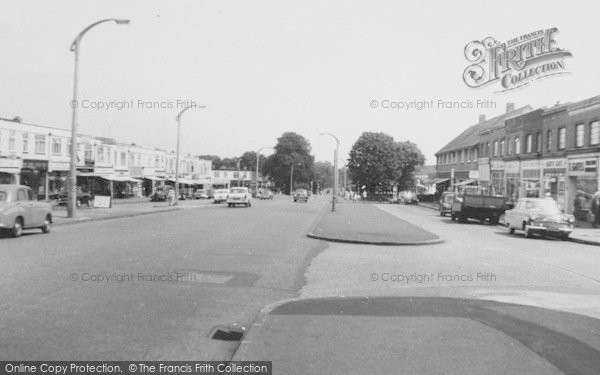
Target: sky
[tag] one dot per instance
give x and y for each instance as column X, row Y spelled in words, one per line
column 262, row 68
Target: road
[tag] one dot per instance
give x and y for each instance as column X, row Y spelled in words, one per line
column 233, row 262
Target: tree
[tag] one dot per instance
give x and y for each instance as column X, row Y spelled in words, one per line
column 377, row 160
column 323, row 174
column 291, row 149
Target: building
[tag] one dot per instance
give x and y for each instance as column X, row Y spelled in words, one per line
column 39, row 156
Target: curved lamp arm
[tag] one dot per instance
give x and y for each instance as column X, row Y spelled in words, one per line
column 75, row 43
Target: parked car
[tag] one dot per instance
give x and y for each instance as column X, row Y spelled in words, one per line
column 220, row 195
column 20, row 210
column 301, row 195
column 82, row 199
column 478, row 206
column 160, row 194
column 201, row 194
column 407, row 197
column 446, row 202
column 239, row 195
column 539, row 216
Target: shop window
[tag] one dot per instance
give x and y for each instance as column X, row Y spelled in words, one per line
column 595, row 133
column 561, row 138
column 40, row 144
column 579, row 134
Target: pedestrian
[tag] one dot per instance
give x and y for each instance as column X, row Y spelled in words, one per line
column 596, row 209
column 171, row 197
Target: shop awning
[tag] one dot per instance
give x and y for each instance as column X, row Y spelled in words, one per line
column 152, row 178
column 182, row 181
column 120, row 178
column 439, row 180
column 465, row 182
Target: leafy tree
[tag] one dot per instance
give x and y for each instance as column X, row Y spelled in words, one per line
column 291, row 149
column 377, row 160
column 323, row 174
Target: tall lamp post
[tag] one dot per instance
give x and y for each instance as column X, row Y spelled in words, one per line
column 178, row 118
column 256, row 175
column 335, row 169
column 292, row 178
column 72, row 192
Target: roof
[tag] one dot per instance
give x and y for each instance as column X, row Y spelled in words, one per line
column 470, row 137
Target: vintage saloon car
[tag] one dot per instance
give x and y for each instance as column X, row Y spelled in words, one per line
column 20, row 210
column 539, row 216
column 239, row 195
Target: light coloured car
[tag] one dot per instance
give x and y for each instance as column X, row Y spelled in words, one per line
column 201, row 194
column 239, row 195
column 220, row 195
column 20, row 210
column 539, row 216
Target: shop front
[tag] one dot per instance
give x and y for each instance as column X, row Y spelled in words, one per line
column 497, row 182
column 531, row 185
column 554, row 180
column 34, row 173
column 58, row 177
column 10, row 168
column 582, row 176
column 512, row 174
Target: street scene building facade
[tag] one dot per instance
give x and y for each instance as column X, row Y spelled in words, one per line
column 529, row 152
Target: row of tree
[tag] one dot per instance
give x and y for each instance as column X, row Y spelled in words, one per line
column 376, row 160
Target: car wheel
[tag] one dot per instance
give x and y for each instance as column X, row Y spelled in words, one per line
column 442, row 214
column 90, row 203
column 565, row 237
column 248, row 204
column 46, row 226
column 78, row 202
column 17, row 229
column 452, row 216
column 527, row 231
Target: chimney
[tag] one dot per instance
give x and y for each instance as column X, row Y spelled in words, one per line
column 481, row 118
column 510, row 107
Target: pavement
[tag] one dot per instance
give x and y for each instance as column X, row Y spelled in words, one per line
column 583, row 233
column 363, row 223
column 120, row 209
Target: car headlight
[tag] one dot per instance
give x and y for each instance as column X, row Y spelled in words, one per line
column 534, row 217
column 571, row 220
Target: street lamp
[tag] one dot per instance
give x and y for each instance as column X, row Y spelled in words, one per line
column 292, row 177
column 335, row 169
column 72, row 192
column 178, row 118
column 256, row 176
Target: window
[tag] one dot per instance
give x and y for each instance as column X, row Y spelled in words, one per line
column 538, row 143
column 510, row 146
column 475, row 154
column 56, row 146
column 561, row 138
column 123, row 158
column 502, row 147
column 579, row 134
column 21, row 195
column 496, row 148
column 11, row 141
column 40, row 144
column 100, row 154
column 549, row 140
column 529, row 143
column 595, row 133
column 25, row 143
column 517, row 145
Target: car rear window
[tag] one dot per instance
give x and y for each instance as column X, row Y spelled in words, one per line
column 238, row 191
column 3, row 196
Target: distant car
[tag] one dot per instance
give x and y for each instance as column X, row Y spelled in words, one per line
column 160, row 194
column 408, row 197
column 301, row 195
column 201, row 194
column 239, row 195
column 539, row 216
column 220, row 195
column 82, row 199
column 264, row 194
column 446, row 202
column 20, row 210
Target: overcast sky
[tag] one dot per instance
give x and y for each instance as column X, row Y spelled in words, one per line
column 265, row 67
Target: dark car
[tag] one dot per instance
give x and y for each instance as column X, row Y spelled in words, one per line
column 160, row 195
column 82, row 199
column 301, row 195
column 446, row 202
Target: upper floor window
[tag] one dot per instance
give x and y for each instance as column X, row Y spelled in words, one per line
column 40, row 144
column 11, row 141
column 561, row 138
column 538, row 142
column 529, row 143
column 517, row 145
column 496, row 148
column 595, row 133
column 25, row 143
column 56, row 146
column 549, row 140
column 579, row 134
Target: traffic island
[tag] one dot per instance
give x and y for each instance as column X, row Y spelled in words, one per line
column 366, row 224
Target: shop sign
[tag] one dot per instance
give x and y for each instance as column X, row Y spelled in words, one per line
column 511, row 167
column 497, row 165
column 530, row 164
column 555, row 163
column 583, row 167
column 10, row 163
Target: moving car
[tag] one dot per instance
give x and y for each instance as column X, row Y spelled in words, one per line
column 478, row 206
column 160, row 194
column 20, row 210
column 82, row 198
column 539, row 216
column 301, row 195
column 264, row 194
column 201, row 194
column 220, row 195
column 408, row 197
column 239, row 195
column 446, row 202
